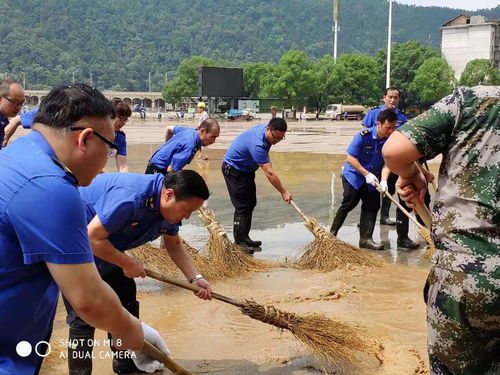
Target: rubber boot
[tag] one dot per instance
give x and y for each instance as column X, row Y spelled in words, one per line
column 122, row 363
column 248, row 225
column 384, row 212
column 79, row 351
column 366, row 227
column 402, row 227
column 338, row 220
column 240, row 232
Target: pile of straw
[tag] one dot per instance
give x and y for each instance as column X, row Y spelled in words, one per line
column 327, row 253
column 225, row 256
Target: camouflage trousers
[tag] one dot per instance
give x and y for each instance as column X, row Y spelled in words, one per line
column 463, row 322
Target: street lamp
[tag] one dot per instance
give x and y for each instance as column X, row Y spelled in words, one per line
column 24, row 80
column 149, row 81
column 389, row 32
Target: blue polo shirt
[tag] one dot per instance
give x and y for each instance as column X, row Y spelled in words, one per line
column 178, row 151
column 28, row 117
column 3, row 123
column 370, row 119
column 128, row 206
column 367, row 148
column 121, row 142
column 249, row 150
column 42, row 219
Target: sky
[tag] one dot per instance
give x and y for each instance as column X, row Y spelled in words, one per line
column 460, row 4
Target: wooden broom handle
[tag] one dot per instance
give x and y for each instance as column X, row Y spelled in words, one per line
column 434, row 185
column 169, row 363
column 422, row 209
column 292, row 202
column 171, row 280
column 398, row 205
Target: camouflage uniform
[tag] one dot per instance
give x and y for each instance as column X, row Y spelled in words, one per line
column 463, row 287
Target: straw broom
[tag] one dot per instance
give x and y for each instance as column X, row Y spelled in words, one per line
column 327, row 252
column 225, row 256
column 424, row 214
column 328, row 340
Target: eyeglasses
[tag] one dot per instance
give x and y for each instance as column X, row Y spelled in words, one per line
column 275, row 137
column 15, row 102
column 123, row 119
column 113, row 149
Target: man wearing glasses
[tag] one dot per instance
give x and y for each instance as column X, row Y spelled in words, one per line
column 11, row 102
column 248, row 152
column 44, row 243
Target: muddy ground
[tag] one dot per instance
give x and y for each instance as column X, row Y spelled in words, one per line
column 215, row 338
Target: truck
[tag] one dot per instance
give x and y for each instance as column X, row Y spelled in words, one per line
column 345, row 112
column 240, row 114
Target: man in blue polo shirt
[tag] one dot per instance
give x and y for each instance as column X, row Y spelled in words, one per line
column 123, row 112
column 248, row 152
column 180, row 149
column 361, row 170
column 124, row 211
column 44, row 244
column 24, row 119
column 11, row 100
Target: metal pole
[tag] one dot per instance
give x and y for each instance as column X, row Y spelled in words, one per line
column 149, row 81
column 73, row 78
column 91, row 80
column 24, row 81
column 166, row 78
column 389, row 32
column 336, row 10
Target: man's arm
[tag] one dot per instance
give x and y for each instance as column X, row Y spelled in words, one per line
column 179, row 255
column 96, row 303
column 121, row 163
column 400, row 157
column 102, row 248
column 11, row 128
column 275, row 181
column 357, row 165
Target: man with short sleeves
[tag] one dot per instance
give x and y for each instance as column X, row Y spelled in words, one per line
column 248, row 152
column 11, row 101
column 360, row 174
column 202, row 112
column 44, row 244
column 463, row 287
column 124, row 211
column 180, row 149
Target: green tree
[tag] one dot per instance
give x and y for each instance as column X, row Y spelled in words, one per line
column 255, row 75
column 480, row 72
column 323, row 82
column 406, row 58
column 433, row 80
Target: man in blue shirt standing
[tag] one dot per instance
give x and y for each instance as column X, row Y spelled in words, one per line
column 124, row 211
column 24, row 119
column 11, row 101
column 44, row 244
column 248, row 152
column 123, row 112
column 180, row 149
column 361, row 170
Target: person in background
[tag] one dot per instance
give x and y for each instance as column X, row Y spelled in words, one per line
column 462, row 291
column 202, row 113
column 11, row 101
column 24, row 119
column 123, row 113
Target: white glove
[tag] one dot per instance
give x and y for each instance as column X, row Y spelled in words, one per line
column 143, row 361
column 383, row 186
column 371, row 179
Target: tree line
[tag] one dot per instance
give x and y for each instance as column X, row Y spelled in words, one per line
column 297, row 80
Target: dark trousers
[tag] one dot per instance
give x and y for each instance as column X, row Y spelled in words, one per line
column 123, row 286
column 241, row 188
column 153, row 169
column 369, row 198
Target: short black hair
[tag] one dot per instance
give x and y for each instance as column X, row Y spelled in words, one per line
column 392, row 88
column 5, row 85
column 277, row 124
column 208, row 124
column 387, row 115
column 186, row 184
column 65, row 105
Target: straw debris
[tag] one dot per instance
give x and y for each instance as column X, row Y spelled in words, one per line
column 327, row 253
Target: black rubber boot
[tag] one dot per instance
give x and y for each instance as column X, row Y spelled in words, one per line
column 338, row 220
column 79, row 351
column 384, row 212
column 248, row 225
column 122, row 364
column 366, row 227
column 402, row 227
column 240, row 233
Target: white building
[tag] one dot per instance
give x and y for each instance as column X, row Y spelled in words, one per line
column 466, row 38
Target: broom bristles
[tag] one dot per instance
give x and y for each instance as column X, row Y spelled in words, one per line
column 327, row 253
column 329, row 341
